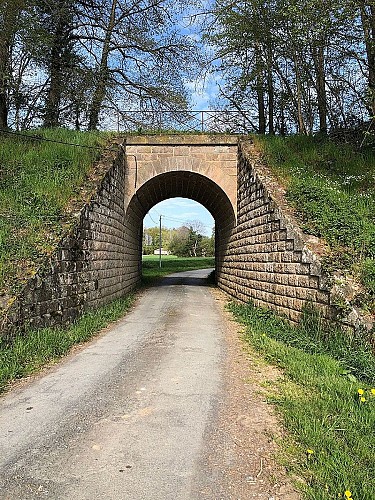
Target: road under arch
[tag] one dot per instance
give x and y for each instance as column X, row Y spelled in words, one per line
column 201, row 168
column 186, row 185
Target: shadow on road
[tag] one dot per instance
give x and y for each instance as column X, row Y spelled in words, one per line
column 201, row 277
column 170, row 280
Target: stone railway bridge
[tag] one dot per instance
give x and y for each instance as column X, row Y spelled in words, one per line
column 261, row 254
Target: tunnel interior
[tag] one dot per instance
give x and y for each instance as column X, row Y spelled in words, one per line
column 184, row 184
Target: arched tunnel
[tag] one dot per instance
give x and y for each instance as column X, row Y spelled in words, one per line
column 260, row 254
column 183, row 184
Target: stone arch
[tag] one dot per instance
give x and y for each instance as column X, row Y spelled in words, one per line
column 185, row 184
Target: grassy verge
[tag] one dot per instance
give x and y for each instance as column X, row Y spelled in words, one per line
column 332, row 189
column 28, row 353
column 37, row 180
column 331, row 442
column 171, row 264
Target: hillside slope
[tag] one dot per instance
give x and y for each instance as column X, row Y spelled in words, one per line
column 43, row 183
column 331, row 188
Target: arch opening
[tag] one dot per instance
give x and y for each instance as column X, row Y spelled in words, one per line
column 186, row 229
column 184, row 184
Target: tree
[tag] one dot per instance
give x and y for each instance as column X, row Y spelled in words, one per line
column 300, row 66
column 65, row 63
column 139, row 56
column 188, row 241
column 367, row 12
column 10, row 11
column 57, row 24
column 179, row 244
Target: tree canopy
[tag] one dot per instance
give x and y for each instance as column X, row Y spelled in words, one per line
column 184, row 241
column 284, row 67
column 80, row 63
column 296, row 66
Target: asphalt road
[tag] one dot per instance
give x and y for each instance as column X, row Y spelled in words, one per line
column 128, row 416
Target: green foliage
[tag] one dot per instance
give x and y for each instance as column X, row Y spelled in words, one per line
column 353, row 352
column 187, row 242
column 368, row 274
column 184, row 241
column 29, row 352
column 37, row 181
column 330, row 212
column 318, row 399
column 332, row 188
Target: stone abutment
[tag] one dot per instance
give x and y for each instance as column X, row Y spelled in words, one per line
column 261, row 253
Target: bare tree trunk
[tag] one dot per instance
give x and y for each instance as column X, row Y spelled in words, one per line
column 58, row 61
column 368, row 25
column 9, row 14
column 103, row 73
column 271, row 95
column 260, row 93
column 52, row 111
column 301, row 123
column 318, row 56
column 4, row 63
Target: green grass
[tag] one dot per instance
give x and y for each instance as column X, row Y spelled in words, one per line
column 317, row 398
column 332, row 188
column 37, row 180
column 171, row 264
column 28, row 353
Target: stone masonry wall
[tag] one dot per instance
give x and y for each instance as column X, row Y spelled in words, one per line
column 261, row 256
column 90, row 267
column 268, row 259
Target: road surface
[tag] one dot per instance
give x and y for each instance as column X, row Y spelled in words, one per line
column 133, row 415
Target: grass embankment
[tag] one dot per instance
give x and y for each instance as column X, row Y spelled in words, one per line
column 332, row 188
column 171, row 264
column 38, row 179
column 331, row 441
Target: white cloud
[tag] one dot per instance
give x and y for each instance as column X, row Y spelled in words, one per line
column 203, row 91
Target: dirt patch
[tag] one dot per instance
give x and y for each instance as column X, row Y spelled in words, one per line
column 241, row 464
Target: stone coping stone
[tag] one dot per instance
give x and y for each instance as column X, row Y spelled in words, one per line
column 182, row 140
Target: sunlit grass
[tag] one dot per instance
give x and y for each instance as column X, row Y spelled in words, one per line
column 151, row 271
column 37, row 180
column 332, row 188
column 330, row 442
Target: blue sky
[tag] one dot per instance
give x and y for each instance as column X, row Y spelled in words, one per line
column 180, row 211
column 177, row 212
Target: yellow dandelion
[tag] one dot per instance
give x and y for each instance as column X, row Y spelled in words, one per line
column 360, row 392
column 348, row 494
column 373, row 392
column 309, row 452
column 362, row 399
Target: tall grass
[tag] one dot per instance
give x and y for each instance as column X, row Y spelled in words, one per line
column 37, row 180
column 171, row 264
column 330, row 443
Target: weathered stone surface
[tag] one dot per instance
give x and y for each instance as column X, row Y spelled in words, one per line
column 267, row 260
column 93, row 256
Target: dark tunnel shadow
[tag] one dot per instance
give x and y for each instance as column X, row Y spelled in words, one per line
column 185, row 280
